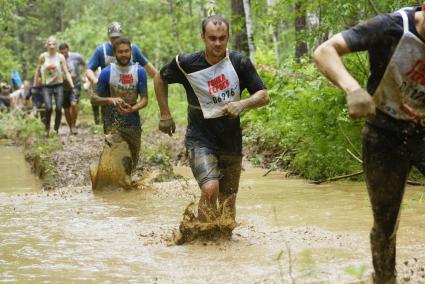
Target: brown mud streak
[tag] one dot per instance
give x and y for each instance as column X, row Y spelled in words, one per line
column 191, row 228
column 114, row 167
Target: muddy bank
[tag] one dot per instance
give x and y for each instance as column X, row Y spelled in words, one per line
column 69, row 165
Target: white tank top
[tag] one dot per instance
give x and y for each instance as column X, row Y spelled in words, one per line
column 51, row 70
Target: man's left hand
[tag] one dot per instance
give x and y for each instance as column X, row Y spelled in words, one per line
column 125, row 108
column 233, row 109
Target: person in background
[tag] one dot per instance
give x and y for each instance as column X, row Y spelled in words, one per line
column 103, row 56
column 74, row 62
column 51, row 67
column 122, row 89
column 5, row 99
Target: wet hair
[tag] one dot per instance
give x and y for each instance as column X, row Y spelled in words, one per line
column 119, row 41
column 63, row 46
column 216, row 20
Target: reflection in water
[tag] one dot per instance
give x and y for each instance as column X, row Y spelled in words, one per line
column 73, row 234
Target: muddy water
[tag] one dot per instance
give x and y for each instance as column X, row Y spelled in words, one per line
column 288, row 230
column 15, row 173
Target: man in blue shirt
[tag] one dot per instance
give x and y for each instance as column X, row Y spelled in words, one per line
column 104, row 55
column 122, row 89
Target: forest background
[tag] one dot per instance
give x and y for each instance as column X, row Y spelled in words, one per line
column 305, row 129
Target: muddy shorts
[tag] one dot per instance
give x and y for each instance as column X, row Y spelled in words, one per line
column 71, row 96
column 206, row 165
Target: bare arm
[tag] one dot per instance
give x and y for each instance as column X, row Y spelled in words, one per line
column 91, row 76
column 256, row 100
column 37, row 70
column 166, row 122
column 328, row 59
column 66, row 71
column 161, row 93
column 151, row 70
column 101, row 101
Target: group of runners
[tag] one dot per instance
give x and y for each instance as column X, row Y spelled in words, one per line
column 393, row 105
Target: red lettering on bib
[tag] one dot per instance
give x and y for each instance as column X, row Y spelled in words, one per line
column 219, row 83
column 417, row 72
column 126, row 78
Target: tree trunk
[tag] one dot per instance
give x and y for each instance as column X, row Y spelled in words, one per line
column 238, row 26
column 249, row 29
column 300, row 26
column 275, row 30
column 174, row 27
column 212, row 7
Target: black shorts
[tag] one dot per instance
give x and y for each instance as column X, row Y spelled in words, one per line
column 71, row 96
column 206, row 165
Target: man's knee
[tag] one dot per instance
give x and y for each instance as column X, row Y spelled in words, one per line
column 210, row 189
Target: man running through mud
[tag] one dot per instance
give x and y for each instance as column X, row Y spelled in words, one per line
column 120, row 84
column 393, row 136
column 214, row 80
column 72, row 95
column 104, row 55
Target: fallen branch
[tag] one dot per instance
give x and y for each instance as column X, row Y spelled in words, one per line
column 415, row 183
column 354, row 156
column 277, row 160
column 349, row 140
column 336, row 178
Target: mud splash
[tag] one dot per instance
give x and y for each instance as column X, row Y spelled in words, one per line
column 114, row 167
column 191, row 229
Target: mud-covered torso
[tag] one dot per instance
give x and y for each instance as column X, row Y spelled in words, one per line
column 123, row 82
column 219, row 133
column 126, row 82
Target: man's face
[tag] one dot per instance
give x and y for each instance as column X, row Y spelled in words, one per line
column 123, row 54
column 215, row 39
column 65, row 52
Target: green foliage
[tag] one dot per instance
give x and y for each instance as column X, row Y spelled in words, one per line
column 14, row 125
column 306, row 118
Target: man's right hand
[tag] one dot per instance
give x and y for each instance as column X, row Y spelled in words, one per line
column 360, row 104
column 167, row 126
column 116, row 101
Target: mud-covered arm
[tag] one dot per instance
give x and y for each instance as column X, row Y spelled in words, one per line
column 102, row 97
